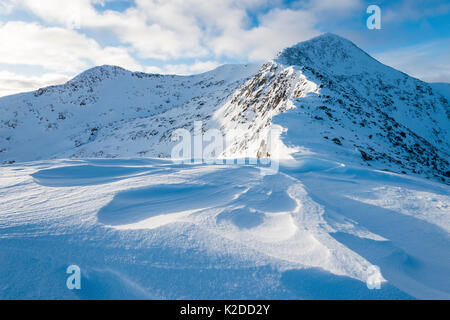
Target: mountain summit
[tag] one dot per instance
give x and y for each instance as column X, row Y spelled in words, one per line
column 329, row 51
column 327, row 95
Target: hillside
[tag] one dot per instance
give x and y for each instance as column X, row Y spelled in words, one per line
column 341, row 104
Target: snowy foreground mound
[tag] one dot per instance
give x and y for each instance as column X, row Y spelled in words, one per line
column 152, row 229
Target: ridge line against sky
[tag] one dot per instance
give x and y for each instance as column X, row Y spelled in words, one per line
column 47, row 42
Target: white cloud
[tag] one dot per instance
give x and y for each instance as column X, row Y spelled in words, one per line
column 56, row 49
column 185, row 69
column 174, row 29
column 6, row 6
column 155, row 29
column 429, row 62
column 11, row 83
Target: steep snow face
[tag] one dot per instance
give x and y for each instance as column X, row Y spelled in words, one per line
column 339, row 103
column 248, row 114
column 151, row 229
column 110, row 112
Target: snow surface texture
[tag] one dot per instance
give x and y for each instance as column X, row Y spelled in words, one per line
column 147, row 228
column 154, row 230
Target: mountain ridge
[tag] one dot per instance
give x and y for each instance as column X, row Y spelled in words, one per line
column 350, row 108
column 359, row 108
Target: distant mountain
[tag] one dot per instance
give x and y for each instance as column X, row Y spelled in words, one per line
column 111, row 112
column 328, row 96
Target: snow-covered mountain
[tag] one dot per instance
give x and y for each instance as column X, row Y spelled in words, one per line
column 327, row 225
column 111, row 112
column 335, row 100
column 342, row 104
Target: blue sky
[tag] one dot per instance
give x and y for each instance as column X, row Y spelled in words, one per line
column 49, row 41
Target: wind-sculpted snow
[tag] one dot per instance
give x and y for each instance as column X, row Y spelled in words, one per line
column 86, row 175
column 434, row 210
column 133, row 206
column 160, row 230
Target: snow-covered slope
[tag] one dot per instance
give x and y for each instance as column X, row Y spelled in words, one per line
column 341, row 104
column 328, row 225
column 150, row 229
column 109, row 112
column 336, row 101
column 442, row 88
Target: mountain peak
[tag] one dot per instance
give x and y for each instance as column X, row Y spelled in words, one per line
column 330, row 51
column 327, row 36
column 100, row 73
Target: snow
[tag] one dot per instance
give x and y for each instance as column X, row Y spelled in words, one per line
column 361, row 193
column 111, row 112
column 431, row 207
column 324, row 96
column 319, row 225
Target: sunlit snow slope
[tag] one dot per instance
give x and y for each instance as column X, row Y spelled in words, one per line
column 339, row 103
column 335, row 100
column 154, row 230
column 361, row 195
column 109, row 112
